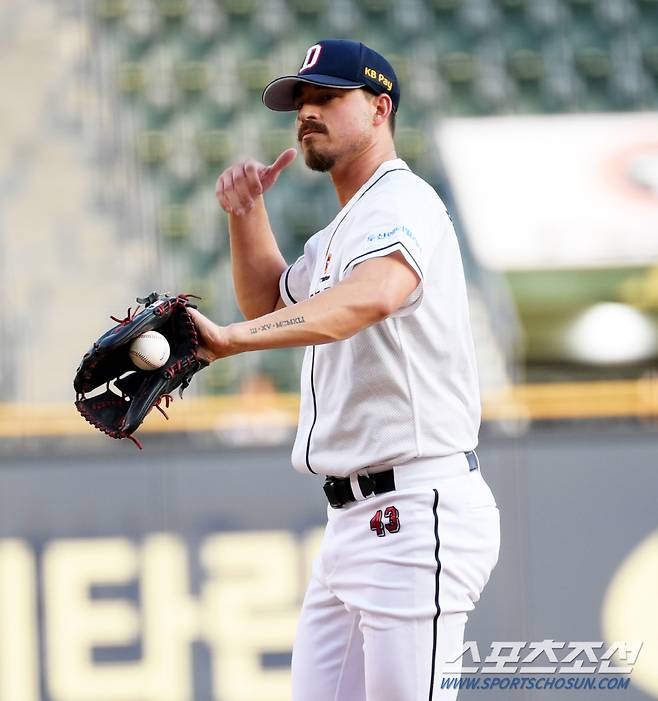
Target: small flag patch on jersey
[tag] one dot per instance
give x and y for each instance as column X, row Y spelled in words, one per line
column 325, row 272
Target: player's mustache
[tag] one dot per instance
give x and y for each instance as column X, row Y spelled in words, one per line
column 310, row 126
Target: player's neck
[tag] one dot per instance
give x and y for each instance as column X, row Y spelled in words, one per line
column 350, row 174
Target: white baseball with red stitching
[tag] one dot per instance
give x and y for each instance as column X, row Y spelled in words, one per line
column 149, row 351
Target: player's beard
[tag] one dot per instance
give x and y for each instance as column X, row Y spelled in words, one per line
column 322, row 162
column 325, row 159
column 313, row 158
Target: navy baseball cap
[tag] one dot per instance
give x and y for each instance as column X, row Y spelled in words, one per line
column 336, row 63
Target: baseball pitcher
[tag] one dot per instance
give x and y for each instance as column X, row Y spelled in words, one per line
column 390, row 408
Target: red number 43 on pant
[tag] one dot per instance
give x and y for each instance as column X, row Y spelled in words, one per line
column 388, row 520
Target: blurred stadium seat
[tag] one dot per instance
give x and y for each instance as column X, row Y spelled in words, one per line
column 182, row 81
column 193, row 72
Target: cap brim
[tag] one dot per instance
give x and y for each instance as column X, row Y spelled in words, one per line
column 278, row 95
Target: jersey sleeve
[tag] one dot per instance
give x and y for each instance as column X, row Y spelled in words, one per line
column 412, row 225
column 295, row 280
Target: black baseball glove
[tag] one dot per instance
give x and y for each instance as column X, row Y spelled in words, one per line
column 119, row 410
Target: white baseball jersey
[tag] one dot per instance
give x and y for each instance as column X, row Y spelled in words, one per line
column 407, row 386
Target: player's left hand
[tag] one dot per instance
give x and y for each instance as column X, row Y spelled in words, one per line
column 213, row 339
column 131, row 391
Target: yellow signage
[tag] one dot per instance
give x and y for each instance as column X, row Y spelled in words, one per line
column 246, row 606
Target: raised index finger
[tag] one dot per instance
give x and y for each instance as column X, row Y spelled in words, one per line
column 283, row 161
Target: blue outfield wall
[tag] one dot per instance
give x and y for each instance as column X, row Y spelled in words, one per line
column 176, row 573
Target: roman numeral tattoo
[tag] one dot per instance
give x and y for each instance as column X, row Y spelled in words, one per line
column 277, row 325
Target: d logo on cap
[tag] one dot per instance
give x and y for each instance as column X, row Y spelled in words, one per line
column 312, row 56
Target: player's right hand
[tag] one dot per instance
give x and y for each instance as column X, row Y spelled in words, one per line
column 239, row 186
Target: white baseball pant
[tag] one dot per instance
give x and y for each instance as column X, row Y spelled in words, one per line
column 392, row 586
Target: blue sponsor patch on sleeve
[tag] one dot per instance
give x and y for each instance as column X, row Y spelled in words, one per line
column 393, row 232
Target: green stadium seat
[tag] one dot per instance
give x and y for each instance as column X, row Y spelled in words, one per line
column 162, row 96
column 110, row 10
column 254, row 75
column 204, row 22
column 175, row 222
column 651, row 60
column 307, row 9
column 142, row 21
column 214, row 146
column 377, row 8
column 276, row 22
column 406, row 22
column 630, row 86
column 546, row 15
column 458, row 67
column 172, row 10
column 648, row 10
column 444, row 6
column 562, row 88
column 192, row 76
column 225, row 92
column 493, row 89
column 241, row 9
column 445, row 21
column 526, row 65
column 342, row 17
column 411, row 143
column 225, row 97
column 593, row 62
column 511, row 12
column 131, row 78
column 615, row 13
column 181, row 175
column 477, row 17
column 423, row 89
column 161, row 99
column 274, row 141
column 153, row 147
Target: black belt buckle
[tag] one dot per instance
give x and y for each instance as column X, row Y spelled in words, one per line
column 339, row 489
column 335, row 492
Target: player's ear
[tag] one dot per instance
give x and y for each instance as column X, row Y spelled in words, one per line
column 383, row 107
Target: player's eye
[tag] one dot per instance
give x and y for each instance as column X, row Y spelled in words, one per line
column 321, row 99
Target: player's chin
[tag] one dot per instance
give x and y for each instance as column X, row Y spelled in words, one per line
column 315, row 160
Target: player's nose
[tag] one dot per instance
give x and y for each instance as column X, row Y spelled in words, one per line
column 308, row 111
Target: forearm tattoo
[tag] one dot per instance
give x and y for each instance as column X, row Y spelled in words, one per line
column 277, row 325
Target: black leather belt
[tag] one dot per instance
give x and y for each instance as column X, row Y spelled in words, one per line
column 339, row 490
